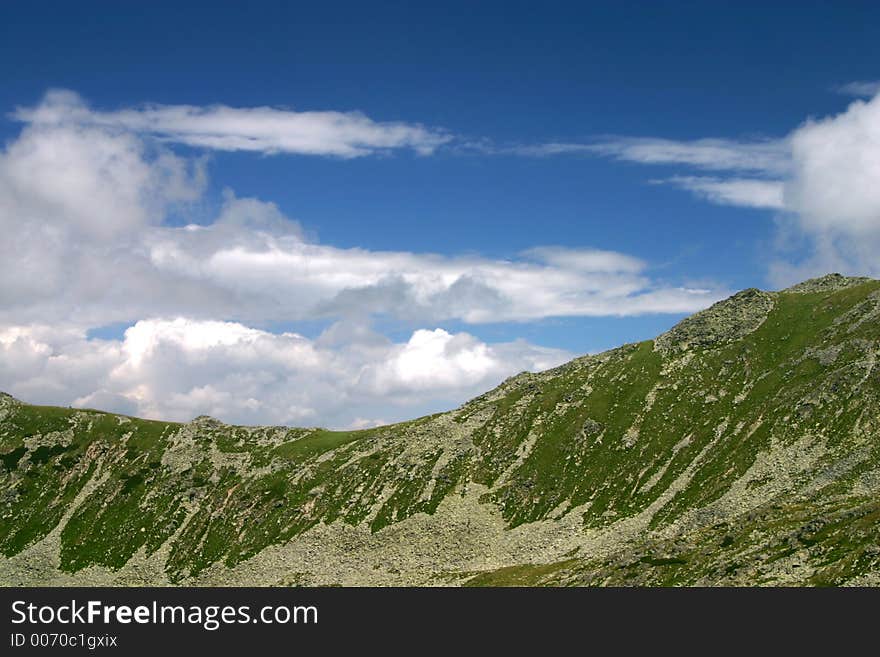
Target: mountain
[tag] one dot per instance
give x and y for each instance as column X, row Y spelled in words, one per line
column 741, row 447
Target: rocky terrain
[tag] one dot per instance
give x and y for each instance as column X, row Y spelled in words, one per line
column 742, row 447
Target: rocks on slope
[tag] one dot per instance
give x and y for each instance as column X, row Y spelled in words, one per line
column 722, row 323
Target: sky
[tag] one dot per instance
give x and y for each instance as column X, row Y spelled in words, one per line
column 278, row 213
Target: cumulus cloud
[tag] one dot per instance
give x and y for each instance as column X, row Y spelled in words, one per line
column 179, row 368
column 836, row 180
column 85, row 201
column 75, row 201
column 833, row 195
column 436, row 360
column 83, row 211
column 254, row 264
column 260, row 129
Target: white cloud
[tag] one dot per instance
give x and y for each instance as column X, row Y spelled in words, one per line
column 260, row 129
column 178, row 369
column 860, row 89
column 290, row 278
column 588, row 260
column 836, row 181
column 436, row 360
column 74, row 202
column 833, row 195
column 84, row 207
column 94, row 182
column 767, row 161
column 91, row 244
column 743, row 192
column 765, row 157
column 768, row 156
column 822, row 181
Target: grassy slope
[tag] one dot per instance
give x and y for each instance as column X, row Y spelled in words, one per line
column 685, row 425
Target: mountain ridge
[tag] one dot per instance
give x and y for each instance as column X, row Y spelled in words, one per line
column 700, row 457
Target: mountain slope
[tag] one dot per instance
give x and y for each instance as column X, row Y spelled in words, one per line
column 740, row 447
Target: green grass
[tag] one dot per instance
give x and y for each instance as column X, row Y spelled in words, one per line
column 316, row 443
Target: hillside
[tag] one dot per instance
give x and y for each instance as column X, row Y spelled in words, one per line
column 741, row 447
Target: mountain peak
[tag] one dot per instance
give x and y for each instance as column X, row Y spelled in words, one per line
column 206, row 421
column 826, row 283
column 721, row 323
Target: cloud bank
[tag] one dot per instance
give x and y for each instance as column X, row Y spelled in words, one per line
column 84, row 209
column 85, row 201
column 86, row 195
column 178, row 369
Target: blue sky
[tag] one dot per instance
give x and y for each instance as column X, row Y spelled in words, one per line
column 683, row 140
